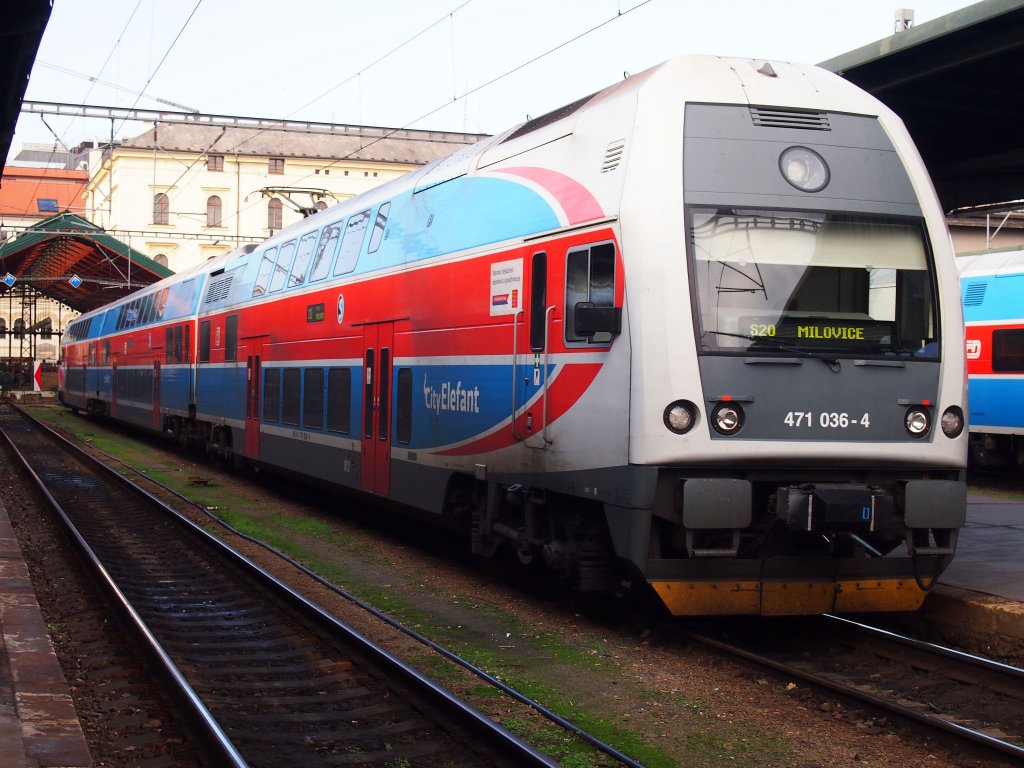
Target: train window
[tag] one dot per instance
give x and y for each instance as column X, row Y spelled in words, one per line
column 384, row 389
column 146, row 311
column 105, row 353
column 302, row 257
column 161, row 303
column 339, row 400
column 589, row 277
column 774, row 281
column 325, row 252
column 231, row 338
column 132, row 315
column 538, row 302
column 283, row 267
column 168, row 344
column 352, row 242
column 291, row 395
column 204, row 341
column 176, row 357
column 313, row 398
column 378, row 227
column 271, row 394
column 267, row 262
column 186, row 345
column 403, row 407
column 369, row 368
column 92, row 352
column 1008, row 350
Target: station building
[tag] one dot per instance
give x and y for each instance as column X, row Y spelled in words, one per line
column 181, row 193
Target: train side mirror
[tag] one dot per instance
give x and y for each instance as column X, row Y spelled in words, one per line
column 589, row 320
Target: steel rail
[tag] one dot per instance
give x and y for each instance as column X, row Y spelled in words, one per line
column 545, row 712
column 215, row 741
column 999, row 746
column 489, row 730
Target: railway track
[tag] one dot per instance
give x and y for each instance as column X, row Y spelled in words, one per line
column 975, row 701
column 265, row 677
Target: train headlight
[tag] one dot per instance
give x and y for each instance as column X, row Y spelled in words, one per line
column 917, row 422
column 727, row 418
column 804, row 168
column 680, row 416
column 952, row 422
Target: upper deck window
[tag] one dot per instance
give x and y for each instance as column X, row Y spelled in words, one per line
column 801, row 282
column 306, row 245
column 325, row 252
column 283, row 267
column 352, row 242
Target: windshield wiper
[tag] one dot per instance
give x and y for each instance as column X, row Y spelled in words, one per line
column 774, row 344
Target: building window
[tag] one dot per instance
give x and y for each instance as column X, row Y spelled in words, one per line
column 275, row 214
column 213, row 211
column 321, row 205
column 275, row 165
column 161, row 259
column 161, row 209
column 215, row 163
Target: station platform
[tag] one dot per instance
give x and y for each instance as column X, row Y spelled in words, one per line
column 980, row 596
column 979, row 600
column 38, row 724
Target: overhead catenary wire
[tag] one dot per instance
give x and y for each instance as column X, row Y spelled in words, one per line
column 391, row 132
column 350, row 78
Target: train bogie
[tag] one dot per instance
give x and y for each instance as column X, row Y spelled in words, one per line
column 700, row 329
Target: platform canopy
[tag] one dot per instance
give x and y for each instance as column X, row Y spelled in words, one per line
column 76, row 263
column 958, row 83
column 21, row 28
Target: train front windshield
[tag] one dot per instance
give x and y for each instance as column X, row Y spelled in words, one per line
column 797, row 282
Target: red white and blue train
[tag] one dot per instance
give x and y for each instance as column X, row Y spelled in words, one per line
column 700, row 329
column 992, row 284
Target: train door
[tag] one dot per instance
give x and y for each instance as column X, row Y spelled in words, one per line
column 253, row 379
column 113, row 386
column 156, row 395
column 378, row 341
column 536, row 426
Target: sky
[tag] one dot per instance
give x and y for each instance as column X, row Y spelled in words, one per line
column 476, row 66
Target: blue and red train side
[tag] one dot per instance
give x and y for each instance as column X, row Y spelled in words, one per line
column 992, row 287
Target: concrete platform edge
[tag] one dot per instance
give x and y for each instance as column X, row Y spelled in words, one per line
column 39, row 727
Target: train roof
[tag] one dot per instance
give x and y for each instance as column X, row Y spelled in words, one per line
column 994, row 262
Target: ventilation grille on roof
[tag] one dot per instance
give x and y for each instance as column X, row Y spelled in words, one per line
column 613, row 155
column 788, row 118
column 219, row 289
column 975, row 294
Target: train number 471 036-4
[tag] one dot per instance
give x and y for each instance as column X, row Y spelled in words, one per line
column 826, row 420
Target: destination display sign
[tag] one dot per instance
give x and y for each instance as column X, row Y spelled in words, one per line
column 819, row 332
